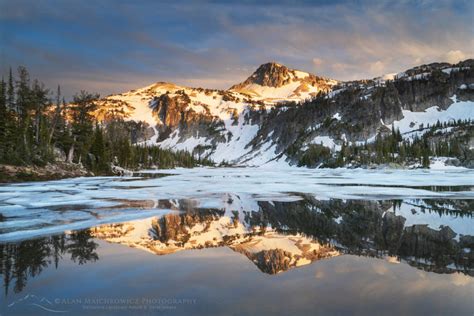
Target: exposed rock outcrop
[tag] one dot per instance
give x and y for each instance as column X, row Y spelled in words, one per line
column 275, row 75
column 56, row 171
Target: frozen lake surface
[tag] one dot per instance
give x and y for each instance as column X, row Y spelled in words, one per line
column 241, row 241
column 33, row 209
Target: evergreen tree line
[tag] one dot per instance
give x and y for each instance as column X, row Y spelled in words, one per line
column 37, row 127
column 390, row 148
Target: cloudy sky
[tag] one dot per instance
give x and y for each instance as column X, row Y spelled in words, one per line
column 113, row 46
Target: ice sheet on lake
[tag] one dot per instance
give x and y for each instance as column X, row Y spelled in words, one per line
column 32, row 209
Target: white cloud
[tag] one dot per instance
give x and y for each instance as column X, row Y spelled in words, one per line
column 229, row 41
column 454, row 56
column 377, row 68
column 317, row 62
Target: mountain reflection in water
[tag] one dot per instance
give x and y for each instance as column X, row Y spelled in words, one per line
column 277, row 237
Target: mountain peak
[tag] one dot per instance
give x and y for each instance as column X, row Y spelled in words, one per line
column 271, row 64
column 276, row 81
column 270, row 74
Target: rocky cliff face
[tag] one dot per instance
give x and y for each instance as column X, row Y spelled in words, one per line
column 269, row 74
column 277, row 109
column 273, row 81
column 173, row 111
column 276, row 75
column 355, row 112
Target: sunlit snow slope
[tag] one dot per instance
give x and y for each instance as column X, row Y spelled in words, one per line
column 254, row 122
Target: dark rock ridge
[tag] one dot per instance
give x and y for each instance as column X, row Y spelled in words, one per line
column 364, row 109
column 269, row 74
column 174, row 112
column 276, row 75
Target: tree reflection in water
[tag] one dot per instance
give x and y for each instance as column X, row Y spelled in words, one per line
column 276, row 237
column 27, row 259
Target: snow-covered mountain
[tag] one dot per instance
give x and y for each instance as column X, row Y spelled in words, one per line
column 273, row 82
column 262, row 119
column 269, row 84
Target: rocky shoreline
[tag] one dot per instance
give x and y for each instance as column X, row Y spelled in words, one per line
column 57, row 171
column 63, row 170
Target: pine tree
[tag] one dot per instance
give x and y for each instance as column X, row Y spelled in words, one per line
column 10, row 93
column 23, row 92
column 8, row 127
column 40, row 101
column 3, row 120
column 426, row 158
column 98, row 151
column 341, row 156
column 455, row 148
column 402, row 153
column 23, row 107
column 30, row 130
column 82, row 123
column 57, row 116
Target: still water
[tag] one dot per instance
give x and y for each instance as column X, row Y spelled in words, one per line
column 240, row 241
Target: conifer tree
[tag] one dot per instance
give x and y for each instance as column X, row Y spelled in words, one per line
column 23, row 104
column 10, row 93
column 98, row 151
column 82, row 123
column 426, row 158
column 3, row 120
column 57, row 116
column 40, row 101
column 23, row 93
